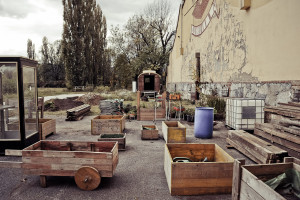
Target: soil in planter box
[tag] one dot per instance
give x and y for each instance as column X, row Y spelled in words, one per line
column 112, row 136
column 148, row 128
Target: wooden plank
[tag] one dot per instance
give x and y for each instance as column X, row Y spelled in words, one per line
column 196, row 152
column 292, row 159
column 247, row 193
column 60, row 172
column 260, row 187
column 13, row 152
column 254, row 147
column 273, row 169
column 268, row 128
column 289, row 121
column 236, row 179
column 10, row 164
column 168, row 167
column 283, row 112
column 286, row 129
column 200, row 191
column 278, row 140
column 50, row 160
column 221, row 155
column 249, row 153
column 202, row 170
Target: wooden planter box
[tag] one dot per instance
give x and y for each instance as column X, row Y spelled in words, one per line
column 196, row 178
column 64, row 158
column 46, row 126
column 148, row 114
column 121, row 141
column 108, row 124
column 149, row 134
column 249, row 180
column 174, row 132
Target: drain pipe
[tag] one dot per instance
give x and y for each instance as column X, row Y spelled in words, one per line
column 197, row 82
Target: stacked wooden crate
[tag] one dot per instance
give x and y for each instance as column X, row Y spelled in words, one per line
column 78, row 112
column 283, row 127
column 110, row 125
column 256, row 149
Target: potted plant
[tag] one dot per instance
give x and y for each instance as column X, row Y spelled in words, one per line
column 190, row 114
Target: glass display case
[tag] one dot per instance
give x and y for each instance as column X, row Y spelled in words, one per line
column 18, row 103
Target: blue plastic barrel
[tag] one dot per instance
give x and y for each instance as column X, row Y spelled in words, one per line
column 203, row 125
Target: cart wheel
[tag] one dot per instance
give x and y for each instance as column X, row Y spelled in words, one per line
column 87, row 178
column 43, row 181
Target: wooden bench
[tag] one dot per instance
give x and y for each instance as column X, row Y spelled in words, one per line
column 80, row 88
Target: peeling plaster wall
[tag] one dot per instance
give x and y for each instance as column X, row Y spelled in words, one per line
column 255, row 46
column 273, row 93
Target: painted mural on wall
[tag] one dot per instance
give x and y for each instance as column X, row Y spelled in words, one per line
column 198, row 12
column 223, row 49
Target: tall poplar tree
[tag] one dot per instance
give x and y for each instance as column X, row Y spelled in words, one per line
column 84, row 42
column 30, row 49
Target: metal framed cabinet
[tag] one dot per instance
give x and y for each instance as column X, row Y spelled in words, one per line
column 18, row 103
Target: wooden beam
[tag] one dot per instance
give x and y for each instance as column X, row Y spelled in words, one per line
column 13, row 152
column 237, row 176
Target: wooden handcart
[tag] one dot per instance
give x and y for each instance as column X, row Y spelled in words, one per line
column 86, row 161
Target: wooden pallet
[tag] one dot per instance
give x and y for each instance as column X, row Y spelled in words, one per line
column 256, row 149
column 78, row 112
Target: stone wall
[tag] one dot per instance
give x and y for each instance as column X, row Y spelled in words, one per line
column 272, row 92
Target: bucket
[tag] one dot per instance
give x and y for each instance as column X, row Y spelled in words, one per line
column 203, row 125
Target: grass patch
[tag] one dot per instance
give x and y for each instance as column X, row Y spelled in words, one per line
column 52, row 91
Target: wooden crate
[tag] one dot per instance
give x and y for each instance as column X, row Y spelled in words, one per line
column 173, row 132
column 248, row 180
column 149, row 134
column 46, row 126
column 64, row 158
column 121, row 141
column 108, row 124
column 196, row 178
column 148, row 114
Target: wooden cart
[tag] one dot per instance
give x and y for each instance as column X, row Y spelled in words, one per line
column 86, row 161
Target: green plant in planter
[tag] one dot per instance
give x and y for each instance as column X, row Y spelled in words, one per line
column 112, row 135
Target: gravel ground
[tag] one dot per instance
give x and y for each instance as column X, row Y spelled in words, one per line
column 139, row 174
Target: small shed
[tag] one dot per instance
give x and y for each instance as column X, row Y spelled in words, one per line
column 149, row 80
column 18, row 103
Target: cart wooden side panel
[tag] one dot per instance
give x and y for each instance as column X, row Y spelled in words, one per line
column 64, row 158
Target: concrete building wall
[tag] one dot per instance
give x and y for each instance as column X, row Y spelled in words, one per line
column 260, row 45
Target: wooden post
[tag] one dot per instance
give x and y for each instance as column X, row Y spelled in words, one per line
column 138, row 98
column 236, row 179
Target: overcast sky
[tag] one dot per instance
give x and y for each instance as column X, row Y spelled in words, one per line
column 21, row 20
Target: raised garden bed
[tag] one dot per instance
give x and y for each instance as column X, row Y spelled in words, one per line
column 214, row 176
column 108, row 124
column 46, row 126
column 120, row 138
column 149, row 132
column 173, row 132
column 249, row 180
